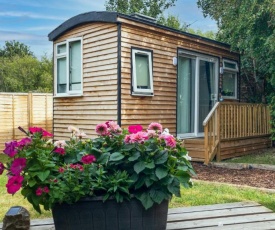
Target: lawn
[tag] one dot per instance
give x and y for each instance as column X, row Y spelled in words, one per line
column 263, row 157
column 202, row 193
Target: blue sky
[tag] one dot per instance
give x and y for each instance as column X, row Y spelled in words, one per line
column 30, row 21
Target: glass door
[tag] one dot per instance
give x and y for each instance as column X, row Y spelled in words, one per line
column 197, row 92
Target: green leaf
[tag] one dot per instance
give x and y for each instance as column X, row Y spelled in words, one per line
column 150, row 165
column 140, row 183
column 157, row 195
column 116, row 156
column 103, row 158
column 161, row 157
column 43, row 175
column 183, row 167
column 145, row 199
column 148, row 182
column 139, row 167
column 174, row 187
column 161, row 172
column 128, row 147
column 31, row 182
column 134, row 157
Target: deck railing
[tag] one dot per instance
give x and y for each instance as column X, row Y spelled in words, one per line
column 232, row 121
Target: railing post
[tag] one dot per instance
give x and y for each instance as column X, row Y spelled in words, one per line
column 218, row 134
column 206, row 152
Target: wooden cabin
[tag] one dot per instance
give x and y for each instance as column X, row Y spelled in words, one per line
column 128, row 68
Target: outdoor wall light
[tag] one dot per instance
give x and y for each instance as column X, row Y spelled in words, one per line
column 175, row 61
column 17, row 218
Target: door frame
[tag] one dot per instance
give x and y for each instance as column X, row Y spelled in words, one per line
column 204, row 57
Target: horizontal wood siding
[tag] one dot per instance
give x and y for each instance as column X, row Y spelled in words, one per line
column 99, row 101
column 162, row 106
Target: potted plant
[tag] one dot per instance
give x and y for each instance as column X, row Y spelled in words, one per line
column 124, row 173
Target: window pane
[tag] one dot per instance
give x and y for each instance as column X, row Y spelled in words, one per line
column 186, row 95
column 230, row 65
column 61, row 49
column 61, row 75
column 228, row 86
column 142, row 71
column 75, row 65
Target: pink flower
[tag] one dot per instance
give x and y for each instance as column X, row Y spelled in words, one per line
column 46, row 189
column 88, row 159
column 114, row 127
column 39, row 191
column 127, row 139
column 81, row 135
column 10, row 149
column 139, row 137
column 170, row 141
column 23, row 142
column 60, row 151
column 60, row 144
column 18, row 165
column 77, row 166
column 101, row 129
column 107, row 123
column 155, row 126
column 152, row 133
column 14, row 184
column 61, row 170
column 2, row 167
column 135, row 128
column 44, row 133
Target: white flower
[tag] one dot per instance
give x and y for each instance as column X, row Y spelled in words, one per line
column 188, row 157
column 60, row 144
column 165, row 131
column 73, row 129
column 81, row 135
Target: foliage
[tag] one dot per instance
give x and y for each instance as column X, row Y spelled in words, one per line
column 15, row 48
column 24, row 74
column 248, row 26
column 147, row 165
column 152, row 8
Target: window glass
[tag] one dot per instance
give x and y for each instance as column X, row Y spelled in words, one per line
column 142, row 71
column 61, row 75
column 75, row 65
column 61, row 49
column 230, row 65
column 229, row 84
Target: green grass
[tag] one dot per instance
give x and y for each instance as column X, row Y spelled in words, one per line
column 3, row 158
column 263, row 157
column 202, row 193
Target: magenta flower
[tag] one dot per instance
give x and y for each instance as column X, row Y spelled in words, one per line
column 77, row 166
column 155, row 126
column 61, row 170
column 18, row 165
column 23, row 142
column 10, row 149
column 60, row 151
column 127, row 139
column 14, row 184
column 135, row 128
column 2, row 167
column 88, row 159
column 102, row 129
column 46, row 189
column 44, row 133
column 39, row 191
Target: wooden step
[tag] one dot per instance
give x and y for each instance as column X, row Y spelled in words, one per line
column 195, row 148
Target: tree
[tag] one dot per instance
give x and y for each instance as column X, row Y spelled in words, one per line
column 249, row 27
column 152, row 8
column 13, row 48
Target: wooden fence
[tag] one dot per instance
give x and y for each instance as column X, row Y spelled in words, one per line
column 25, row 110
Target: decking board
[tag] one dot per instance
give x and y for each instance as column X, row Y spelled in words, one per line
column 237, row 216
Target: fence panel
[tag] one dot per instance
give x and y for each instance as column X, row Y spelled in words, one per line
column 25, row 110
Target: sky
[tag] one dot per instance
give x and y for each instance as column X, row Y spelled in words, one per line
column 30, row 21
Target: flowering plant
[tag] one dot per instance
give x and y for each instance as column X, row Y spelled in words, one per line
column 148, row 165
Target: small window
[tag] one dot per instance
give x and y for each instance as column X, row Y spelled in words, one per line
column 68, row 68
column 229, row 86
column 142, row 73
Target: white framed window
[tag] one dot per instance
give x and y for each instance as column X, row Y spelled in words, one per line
column 142, row 72
column 230, row 79
column 68, row 68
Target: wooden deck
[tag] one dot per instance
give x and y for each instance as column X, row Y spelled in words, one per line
column 233, row 216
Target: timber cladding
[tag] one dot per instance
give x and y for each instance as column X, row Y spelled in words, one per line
column 25, row 110
column 164, row 44
column 99, row 101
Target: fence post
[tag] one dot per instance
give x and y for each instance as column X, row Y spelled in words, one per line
column 13, row 118
column 30, row 109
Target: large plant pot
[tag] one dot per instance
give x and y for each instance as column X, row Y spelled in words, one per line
column 93, row 214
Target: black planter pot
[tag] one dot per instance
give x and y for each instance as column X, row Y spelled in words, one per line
column 93, row 214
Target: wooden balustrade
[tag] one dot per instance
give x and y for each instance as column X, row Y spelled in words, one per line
column 227, row 121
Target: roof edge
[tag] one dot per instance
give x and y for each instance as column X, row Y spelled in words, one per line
column 94, row 16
